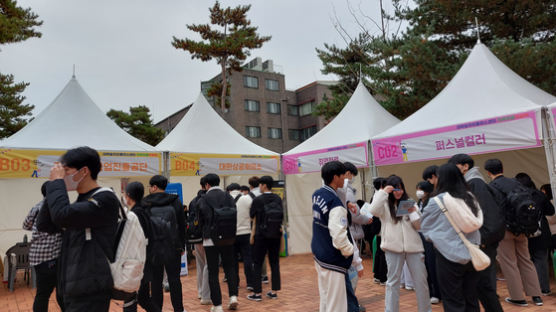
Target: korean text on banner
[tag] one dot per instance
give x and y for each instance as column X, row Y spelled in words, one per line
column 182, row 164
column 37, row 163
column 496, row 134
column 313, row 161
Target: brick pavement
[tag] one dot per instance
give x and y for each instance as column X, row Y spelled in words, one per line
column 299, row 293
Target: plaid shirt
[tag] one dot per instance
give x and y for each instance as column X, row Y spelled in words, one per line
column 44, row 246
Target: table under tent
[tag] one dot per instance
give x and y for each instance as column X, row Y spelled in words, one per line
column 346, row 138
column 487, row 111
column 202, row 142
column 70, row 121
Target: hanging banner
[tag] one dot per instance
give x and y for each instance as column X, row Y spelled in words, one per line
column 37, row 163
column 182, row 164
column 496, row 134
column 313, row 161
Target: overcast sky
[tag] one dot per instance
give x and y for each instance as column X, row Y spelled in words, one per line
column 123, row 54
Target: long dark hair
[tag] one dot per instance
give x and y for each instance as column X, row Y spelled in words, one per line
column 451, row 180
column 396, row 182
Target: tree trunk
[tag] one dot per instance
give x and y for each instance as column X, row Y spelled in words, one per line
column 224, row 87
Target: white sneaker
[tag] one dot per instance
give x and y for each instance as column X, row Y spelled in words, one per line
column 233, row 303
column 216, row 309
column 206, row 301
column 409, row 288
column 434, row 300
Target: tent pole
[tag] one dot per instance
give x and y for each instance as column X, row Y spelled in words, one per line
column 372, row 167
column 166, row 164
column 548, row 137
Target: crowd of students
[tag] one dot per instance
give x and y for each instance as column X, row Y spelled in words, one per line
column 507, row 220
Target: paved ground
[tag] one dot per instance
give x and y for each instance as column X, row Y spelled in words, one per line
column 300, row 293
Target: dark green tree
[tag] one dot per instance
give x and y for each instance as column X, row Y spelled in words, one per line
column 16, row 24
column 138, row 123
column 228, row 39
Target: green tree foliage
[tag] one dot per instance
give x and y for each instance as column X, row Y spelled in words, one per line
column 16, row 24
column 408, row 70
column 228, row 39
column 138, row 123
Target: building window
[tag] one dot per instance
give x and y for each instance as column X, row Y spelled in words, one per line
column 275, row 133
column 253, row 132
column 294, row 134
column 308, row 132
column 273, row 108
column 272, row 84
column 251, row 82
column 293, row 110
column 252, row 106
column 307, row 108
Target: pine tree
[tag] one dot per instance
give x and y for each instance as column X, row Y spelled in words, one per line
column 228, row 39
column 138, row 123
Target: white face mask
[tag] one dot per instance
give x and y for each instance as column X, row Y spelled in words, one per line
column 420, row 194
column 72, row 185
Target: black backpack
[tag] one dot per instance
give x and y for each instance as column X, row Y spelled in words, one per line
column 164, row 227
column 224, row 224
column 194, row 230
column 271, row 225
column 523, row 216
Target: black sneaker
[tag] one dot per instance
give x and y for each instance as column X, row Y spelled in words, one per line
column 521, row 303
column 546, row 293
column 272, row 295
column 255, row 297
column 537, row 300
column 249, row 288
column 264, row 279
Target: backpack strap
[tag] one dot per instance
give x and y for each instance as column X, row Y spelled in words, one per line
column 237, row 198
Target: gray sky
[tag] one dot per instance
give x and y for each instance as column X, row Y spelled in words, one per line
column 123, row 54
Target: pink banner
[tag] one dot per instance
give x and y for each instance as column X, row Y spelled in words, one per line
column 508, row 132
column 312, row 161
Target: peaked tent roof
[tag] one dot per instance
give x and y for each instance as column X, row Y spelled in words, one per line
column 484, row 87
column 359, row 120
column 203, row 131
column 72, row 120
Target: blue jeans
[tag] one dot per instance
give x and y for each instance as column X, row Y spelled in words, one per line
column 353, row 304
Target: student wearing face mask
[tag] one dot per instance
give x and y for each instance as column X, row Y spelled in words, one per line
column 90, row 226
column 400, row 242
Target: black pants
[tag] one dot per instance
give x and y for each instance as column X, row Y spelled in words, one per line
column 458, row 285
column 99, row 302
column 46, row 283
column 173, row 268
column 486, row 286
column 260, row 248
column 242, row 245
column 229, row 262
column 380, row 268
column 143, row 298
column 430, row 265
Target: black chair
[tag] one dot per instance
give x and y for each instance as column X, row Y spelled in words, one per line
column 18, row 259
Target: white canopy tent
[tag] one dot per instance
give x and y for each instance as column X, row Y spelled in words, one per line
column 345, row 138
column 71, row 120
column 202, row 142
column 486, row 108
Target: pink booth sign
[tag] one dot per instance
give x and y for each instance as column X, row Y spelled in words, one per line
column 312, row 161
column 516, row 131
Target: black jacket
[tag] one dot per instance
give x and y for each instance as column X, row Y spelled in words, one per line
column 257, row 209
column 162, row 199
column 544, row 240
column 215, row 197
column 84, row 269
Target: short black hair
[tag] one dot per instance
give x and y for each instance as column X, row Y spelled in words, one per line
column 429, row 172
column 462, row 159
column 547, row 189
column 494, row 166
column 425, row 186
column 266, row 180
column 254, row 181
column 331, row 169
column 232, row 187
column 212, row 179
column 244, row 188
column 525, row 179
column 80, row 157
column 159, row 181
column 43, row 188
column 351, row 168
column 135, row 191
column 202, row 181
column 379, row 183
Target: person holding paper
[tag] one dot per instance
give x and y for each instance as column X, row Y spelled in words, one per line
column 401, row 242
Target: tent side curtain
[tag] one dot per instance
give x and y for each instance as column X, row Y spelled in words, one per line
column 34, row 163
column 185, row 164
column 502, row 133
column 312, row 161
